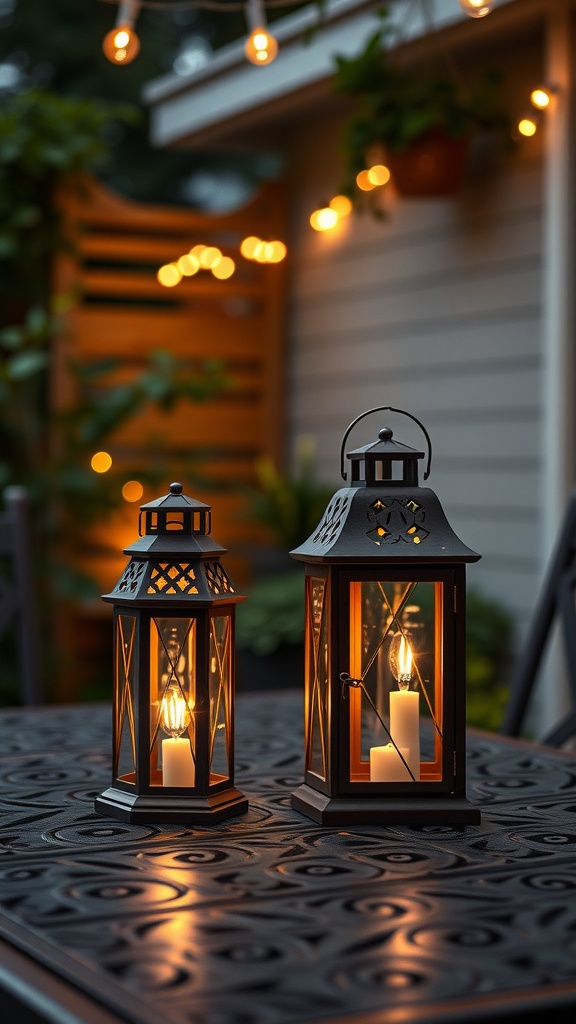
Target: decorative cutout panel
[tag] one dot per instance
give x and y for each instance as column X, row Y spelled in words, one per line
column 220, row 683
column 130, row 578
column 218, row 581
column 124, row 766
column 396, row 521
column 172, row 578
column 332, row 521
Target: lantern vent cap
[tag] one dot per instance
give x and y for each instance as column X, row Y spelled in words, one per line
column 175, row 499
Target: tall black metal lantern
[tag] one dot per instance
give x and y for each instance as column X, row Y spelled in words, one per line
column 385, row 648
column 173, row 733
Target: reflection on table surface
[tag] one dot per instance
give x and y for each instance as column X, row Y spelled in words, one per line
column 271, row 919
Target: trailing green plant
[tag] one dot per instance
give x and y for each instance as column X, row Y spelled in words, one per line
column 398, row 105
column 289, row 505
column 46, row 144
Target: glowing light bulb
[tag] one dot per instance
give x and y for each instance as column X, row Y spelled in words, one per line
column 378, row 174
column 527, row 127
column 324, row 219
column 101, row 462
column 260, row 47
column 188, row 265
column 174, row 712
column 121, row 44
column 169, row 275
column 476, row 8
column 341, row 204
column 364, row 181
column 132, row 490
column 224, row 268
column 248, row 246
column 210, row 257
column 540, row 98
column 400, row 660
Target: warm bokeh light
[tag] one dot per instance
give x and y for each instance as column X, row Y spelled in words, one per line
column 132, row 490
column 197, row 250
column 364, row 181
column 476, row 8
column 341, row 204
column 259, row 252
column 101, row 462
column 248, row 245
column 540, row 98
column 188, row 265
column 527, row 127
column 275, row 252
column 224, row 268
column 378, row 174
column 324, row 219
column 169, row 275
column 260, row 47
column 210, row 257
column 121, row 45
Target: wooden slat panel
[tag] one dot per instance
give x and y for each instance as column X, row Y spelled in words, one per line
column 125, row 313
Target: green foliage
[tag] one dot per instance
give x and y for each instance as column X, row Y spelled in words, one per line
column 398, row 105
column 489, row 640
column 44, row 140
column 289, row 505
column 273, row 615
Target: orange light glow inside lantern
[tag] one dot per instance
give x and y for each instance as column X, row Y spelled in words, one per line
column 385, row 646
column 174, row 608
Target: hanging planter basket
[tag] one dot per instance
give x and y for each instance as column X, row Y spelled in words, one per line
column 433, row 165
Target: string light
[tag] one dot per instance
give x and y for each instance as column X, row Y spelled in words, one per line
column 527, row 126
column 326, row 217
column 256, row 249
column 476, row 8
column 132, row 490
column 540, row 98
column 121, row 45
column 101, row 462
column 260, row 47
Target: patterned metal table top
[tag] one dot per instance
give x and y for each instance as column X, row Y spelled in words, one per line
column 272, row 919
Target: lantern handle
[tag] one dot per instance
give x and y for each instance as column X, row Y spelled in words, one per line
column 386, row 408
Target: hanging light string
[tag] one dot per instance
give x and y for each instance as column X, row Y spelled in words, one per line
column 121, row 45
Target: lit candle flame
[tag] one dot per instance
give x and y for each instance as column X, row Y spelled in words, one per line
column 174, row 712
column 404, row 662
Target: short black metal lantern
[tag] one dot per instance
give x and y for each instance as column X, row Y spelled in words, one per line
column 385, row 648
column 173, row 732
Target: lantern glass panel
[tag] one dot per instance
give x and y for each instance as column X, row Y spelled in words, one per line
column 396, row 653
column 172, row 701
column 318, row 675
column 124, row 699
column 220, row 696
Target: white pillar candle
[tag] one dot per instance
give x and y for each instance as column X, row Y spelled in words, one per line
column 386, row 765
column 405, row 725
column 177, row 762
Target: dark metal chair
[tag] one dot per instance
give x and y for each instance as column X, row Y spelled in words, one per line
column 556, row 600
column 17, row 596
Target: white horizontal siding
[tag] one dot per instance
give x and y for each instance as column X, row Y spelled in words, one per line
column 435, row 310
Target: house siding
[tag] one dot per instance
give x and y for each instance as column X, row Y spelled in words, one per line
column 436, row 310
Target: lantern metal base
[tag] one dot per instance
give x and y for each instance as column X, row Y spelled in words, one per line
column 379, row 810
column 169, row 809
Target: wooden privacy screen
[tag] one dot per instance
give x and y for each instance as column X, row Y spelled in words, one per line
column 123, row 312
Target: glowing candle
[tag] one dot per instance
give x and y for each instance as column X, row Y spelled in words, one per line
column 386, row 765
column 178, row 767
column 405, row 706
column 177, row 762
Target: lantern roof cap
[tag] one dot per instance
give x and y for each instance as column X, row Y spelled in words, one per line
column 386, row 445
column 175, row 499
